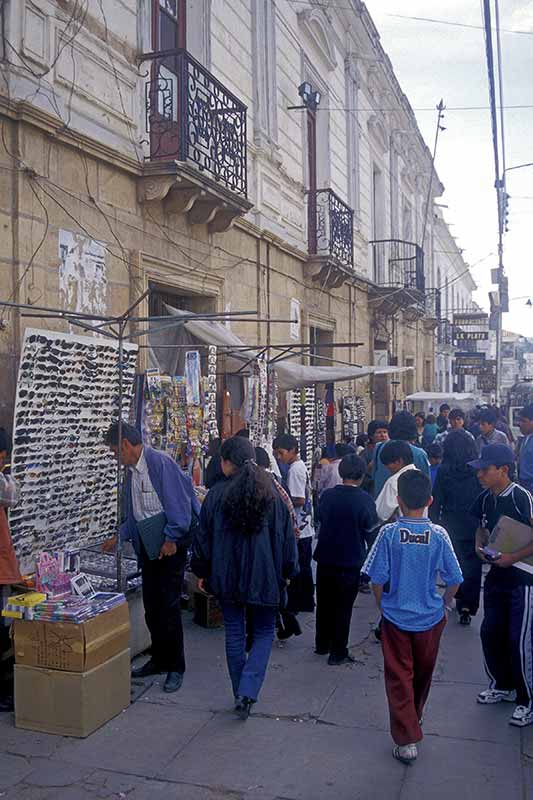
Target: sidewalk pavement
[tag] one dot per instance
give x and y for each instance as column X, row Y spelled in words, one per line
column 317, row 733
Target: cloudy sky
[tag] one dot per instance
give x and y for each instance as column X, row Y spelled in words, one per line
column 434, row 60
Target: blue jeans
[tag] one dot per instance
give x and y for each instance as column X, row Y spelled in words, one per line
column 248, row 673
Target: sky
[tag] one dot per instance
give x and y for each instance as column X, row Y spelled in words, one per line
column 434, row 61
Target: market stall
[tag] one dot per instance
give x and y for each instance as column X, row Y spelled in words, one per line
column 308, row 414
column 70, row 388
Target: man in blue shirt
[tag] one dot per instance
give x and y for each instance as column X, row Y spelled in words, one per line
column 157, row 493
column 408, row 555
column 402, row 428
column 525, row 452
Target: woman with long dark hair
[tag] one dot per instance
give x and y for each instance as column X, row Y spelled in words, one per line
column 455, row 490
column 244, row 552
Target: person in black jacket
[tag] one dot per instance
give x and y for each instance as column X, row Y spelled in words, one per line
column 347, row 519
column 455, row 490
column 245, row 551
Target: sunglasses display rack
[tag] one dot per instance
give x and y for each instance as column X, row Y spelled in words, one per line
column 67, row 396
column 210, row 397
column 257, row 414
column 353, row 416
column 302, row 421
column 320, row 430
column 102, row 570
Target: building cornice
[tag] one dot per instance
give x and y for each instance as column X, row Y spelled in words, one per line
column 28, row 114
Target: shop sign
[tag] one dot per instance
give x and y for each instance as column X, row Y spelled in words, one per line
column 473, row 327
column 469, row 363
column 486, row 380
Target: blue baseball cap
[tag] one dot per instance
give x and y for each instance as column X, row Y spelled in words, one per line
column 497, row 455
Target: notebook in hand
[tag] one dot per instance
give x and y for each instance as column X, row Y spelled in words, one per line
column 508, row 536
column 152, row 534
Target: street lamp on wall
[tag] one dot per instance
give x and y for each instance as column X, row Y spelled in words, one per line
column 310, row 97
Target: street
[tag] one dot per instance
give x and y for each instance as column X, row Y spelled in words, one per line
column 317, row 733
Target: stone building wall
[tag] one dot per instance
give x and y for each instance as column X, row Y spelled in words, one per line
column 73, row 157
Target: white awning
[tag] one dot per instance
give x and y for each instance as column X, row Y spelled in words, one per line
column 290, row 375
column 441, row 397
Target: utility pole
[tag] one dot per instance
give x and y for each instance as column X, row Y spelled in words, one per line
column 499, row 184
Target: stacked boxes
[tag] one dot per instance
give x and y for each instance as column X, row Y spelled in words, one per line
column 72, row 678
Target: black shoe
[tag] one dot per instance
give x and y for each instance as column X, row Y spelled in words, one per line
column 6, row 704
column 173, row 682
column 465, row 617
column 291, row 627
column 321, row 652
column 243, row 706
column 336, row 662
column 150, row 668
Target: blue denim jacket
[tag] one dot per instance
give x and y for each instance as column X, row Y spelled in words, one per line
column 176, row 494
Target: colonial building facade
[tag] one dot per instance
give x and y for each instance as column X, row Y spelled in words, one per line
column 456, row 284
column 244, row 155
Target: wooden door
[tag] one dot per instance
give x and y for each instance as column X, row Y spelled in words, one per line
column 169, row 35
column 311, row 161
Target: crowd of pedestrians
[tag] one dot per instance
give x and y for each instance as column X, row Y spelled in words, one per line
column 412, row 509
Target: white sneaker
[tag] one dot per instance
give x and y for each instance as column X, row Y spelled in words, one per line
column 406, row 753
column 522, row 716
column 489, row 696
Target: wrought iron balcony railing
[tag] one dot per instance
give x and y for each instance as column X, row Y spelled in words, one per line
column 191, row 116
column 432, row 303
column 330, row 227
column 445, row 332
column 398, row 264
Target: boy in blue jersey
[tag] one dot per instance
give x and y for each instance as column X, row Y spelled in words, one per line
column 408, row 555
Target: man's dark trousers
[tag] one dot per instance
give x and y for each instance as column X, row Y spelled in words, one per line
column 162, row 585
column 336, row 591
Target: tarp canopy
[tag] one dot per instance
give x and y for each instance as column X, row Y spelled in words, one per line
column 290, row 375
column 434, row 399
column 441, row 397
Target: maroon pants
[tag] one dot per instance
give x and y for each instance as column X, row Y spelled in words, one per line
column 409, row 663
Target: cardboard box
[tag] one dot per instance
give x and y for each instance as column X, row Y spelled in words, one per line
column 70, row 647
column 71, row 703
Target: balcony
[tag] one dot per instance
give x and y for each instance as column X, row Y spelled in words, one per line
column 445, row 333
column 432, row 308
column 398, row 275
column 330, row 230
column 195, row 145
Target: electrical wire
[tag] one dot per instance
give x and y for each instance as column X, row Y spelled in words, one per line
column 124, row 258
column 449, row 22
column 81, row 21
column 35, row 252
column 373, row 109
column 343, row 7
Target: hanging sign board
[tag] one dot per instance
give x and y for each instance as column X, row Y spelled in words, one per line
column 486, row 380
column 471, row 326
column 469, row 363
